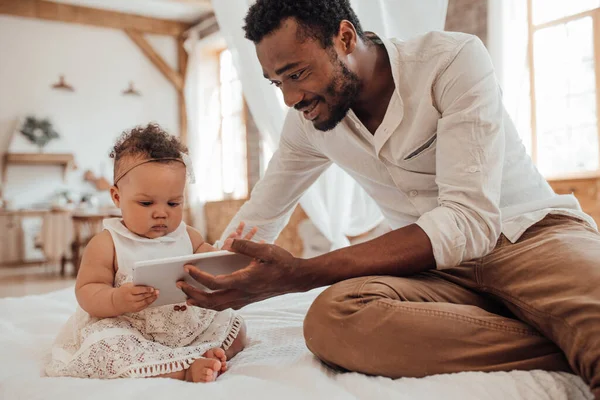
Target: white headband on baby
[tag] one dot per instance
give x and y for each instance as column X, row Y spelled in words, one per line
column 185, row 159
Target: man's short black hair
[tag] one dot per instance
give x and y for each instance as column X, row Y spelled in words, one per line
column 319, row 19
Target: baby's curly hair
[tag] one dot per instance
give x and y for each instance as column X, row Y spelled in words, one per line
column 146, row 142
column 320, row 19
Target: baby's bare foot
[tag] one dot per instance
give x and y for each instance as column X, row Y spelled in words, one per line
column 218, row 354
column 203, row 370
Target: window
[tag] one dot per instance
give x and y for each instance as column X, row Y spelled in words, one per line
column 228, row 172
column 564, row 53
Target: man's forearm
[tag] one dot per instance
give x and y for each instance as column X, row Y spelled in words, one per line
column 402, row 252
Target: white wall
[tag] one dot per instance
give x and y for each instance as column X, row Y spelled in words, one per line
column 98, row 63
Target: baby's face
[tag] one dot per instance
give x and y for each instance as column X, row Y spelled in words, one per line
column 150, row 197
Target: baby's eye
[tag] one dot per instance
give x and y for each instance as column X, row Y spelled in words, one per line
column 145, row 203
column 173, row 204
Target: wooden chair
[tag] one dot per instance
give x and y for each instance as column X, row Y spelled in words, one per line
column 55, row 237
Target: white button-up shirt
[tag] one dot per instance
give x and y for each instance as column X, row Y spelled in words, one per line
column 446, row 156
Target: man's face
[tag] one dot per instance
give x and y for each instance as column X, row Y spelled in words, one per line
column 312, row 79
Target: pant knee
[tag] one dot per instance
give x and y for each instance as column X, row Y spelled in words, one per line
column 329, row 325
column 322, row 321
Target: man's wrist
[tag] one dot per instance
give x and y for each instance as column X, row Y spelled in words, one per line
column 306, row 274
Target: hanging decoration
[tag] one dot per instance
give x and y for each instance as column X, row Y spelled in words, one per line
column 131, row 91
column 62, row 85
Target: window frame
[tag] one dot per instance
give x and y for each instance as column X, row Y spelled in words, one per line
column 532, row 28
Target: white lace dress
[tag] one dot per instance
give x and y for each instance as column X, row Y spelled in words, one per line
column 152, row 342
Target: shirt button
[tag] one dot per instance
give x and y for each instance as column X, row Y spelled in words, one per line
column 472, row 169
column 357, row 125
column 413, row 193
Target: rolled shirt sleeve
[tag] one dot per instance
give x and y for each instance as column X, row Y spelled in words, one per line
column 469, row 158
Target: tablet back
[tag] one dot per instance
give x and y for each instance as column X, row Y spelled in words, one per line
column 163, row 274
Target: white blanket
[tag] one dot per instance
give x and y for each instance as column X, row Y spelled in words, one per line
column 275, row 365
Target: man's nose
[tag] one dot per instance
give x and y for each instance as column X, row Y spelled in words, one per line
column 291, row 96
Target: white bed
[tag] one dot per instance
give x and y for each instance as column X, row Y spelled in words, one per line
column 276, row 365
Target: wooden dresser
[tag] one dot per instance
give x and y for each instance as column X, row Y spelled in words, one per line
column 12, row 241
column 587, row 190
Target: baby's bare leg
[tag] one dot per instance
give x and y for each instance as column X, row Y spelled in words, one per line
column 238, row 344
column 173, row 375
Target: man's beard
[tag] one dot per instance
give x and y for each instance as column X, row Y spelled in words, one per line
column 343, row 91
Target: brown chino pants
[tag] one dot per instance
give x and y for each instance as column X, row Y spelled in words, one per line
column 534, row 304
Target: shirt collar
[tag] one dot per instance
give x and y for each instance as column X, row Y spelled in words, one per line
column 395, row 109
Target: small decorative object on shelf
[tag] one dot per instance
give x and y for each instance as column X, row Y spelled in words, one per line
column 62, row 85
column 38, row 131
column 101, row 183
column 131, row 91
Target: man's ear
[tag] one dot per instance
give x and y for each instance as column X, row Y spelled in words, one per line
column 347, row 36
column 115, row 196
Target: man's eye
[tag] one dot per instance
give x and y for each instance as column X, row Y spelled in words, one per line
column 173, row 204
column 145, row 203
column 296, row 76
column 277, row 84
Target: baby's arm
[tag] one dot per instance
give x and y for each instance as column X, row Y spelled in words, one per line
column 94, row 288
column 200, row 246
column 198, row 243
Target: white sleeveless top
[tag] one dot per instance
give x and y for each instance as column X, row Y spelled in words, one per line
column 151, row 342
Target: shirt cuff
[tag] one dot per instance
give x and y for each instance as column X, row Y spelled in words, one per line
column 447, row 240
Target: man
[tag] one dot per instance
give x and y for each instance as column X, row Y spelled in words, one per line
column 487, row 269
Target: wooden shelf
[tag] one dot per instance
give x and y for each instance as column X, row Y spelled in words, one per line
column 65, row 160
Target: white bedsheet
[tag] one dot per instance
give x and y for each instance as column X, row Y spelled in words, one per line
column 275, row 365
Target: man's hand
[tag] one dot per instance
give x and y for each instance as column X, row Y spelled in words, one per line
column 273, row 272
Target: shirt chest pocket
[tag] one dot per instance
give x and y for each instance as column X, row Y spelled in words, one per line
column 421, row 158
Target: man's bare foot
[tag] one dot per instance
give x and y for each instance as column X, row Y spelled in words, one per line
column 217, row 354
column 203, row 370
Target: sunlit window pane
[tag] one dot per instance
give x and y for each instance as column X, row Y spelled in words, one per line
column 229, row 159
column 226, row 98
column 568, row 150
column 548, row 10
column 214, row 190
column 237, row 99
column 233, row 168
column 227, row 68
column 565, row 90
column 240, row 173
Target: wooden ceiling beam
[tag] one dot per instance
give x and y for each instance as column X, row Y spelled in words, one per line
column 47, row 10
column 173, row 76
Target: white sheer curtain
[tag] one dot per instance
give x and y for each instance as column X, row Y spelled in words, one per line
column 507, row 44
column 202, row 102
column 335, row 203
column 401, row 19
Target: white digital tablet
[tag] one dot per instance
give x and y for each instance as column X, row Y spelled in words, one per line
column 163, row 273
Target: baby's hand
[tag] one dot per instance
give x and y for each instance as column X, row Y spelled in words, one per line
column 128, row 298
column 237, row 234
